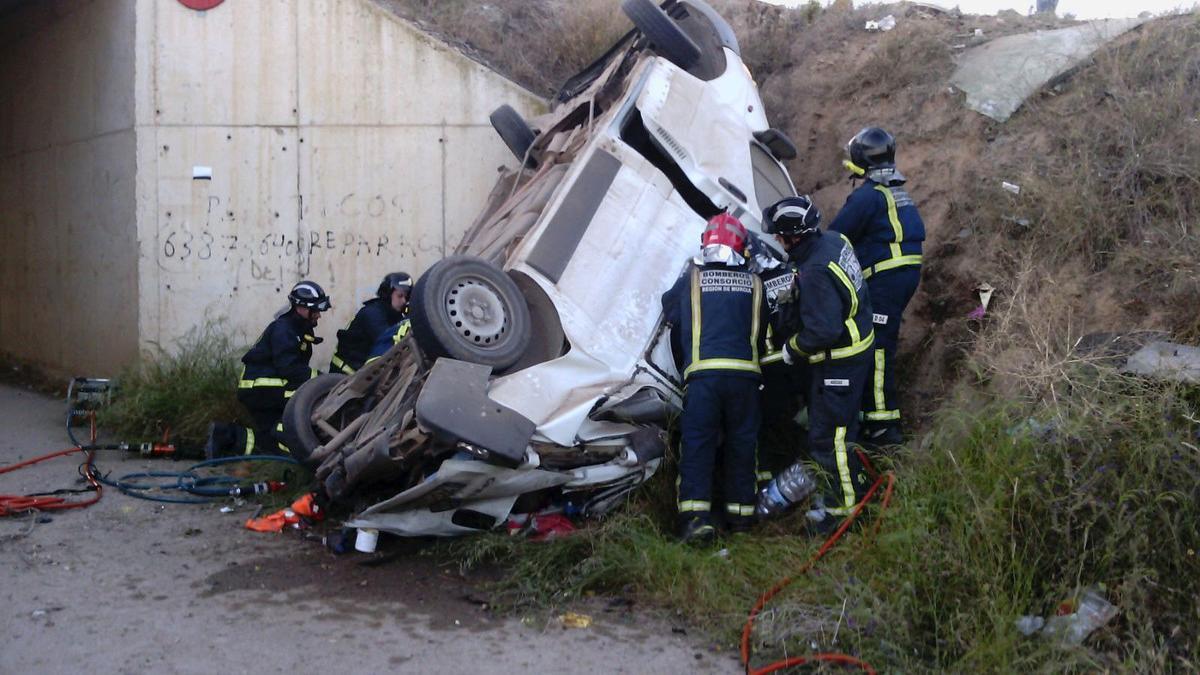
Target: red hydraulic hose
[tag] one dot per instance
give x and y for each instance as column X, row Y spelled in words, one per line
column 15, row 504
column 844, row 659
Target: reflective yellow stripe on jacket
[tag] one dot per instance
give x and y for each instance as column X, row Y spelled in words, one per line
column 750, row 365
column 898, row 259
column 858, row 343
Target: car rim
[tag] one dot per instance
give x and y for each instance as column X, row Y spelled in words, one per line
column 477, row 312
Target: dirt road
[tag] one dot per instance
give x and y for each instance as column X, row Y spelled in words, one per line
column 130, row 586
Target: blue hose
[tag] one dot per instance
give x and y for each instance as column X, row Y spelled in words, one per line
column 204, row 488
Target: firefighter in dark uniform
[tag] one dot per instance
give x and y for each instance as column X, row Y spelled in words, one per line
column 717, row 311
column 829, row 323
column 783, row 388
column 373, row 319
column 390, row 338
column 272, row 370
column 882, row 222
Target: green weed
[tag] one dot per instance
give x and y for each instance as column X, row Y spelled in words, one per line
column 1005, row 509
column 181, row 389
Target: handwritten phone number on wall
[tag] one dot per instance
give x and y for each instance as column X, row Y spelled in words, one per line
column 182, row 245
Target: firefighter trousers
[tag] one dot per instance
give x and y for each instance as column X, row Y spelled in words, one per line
column 891, row 292
column 721, row 413
column 834, row 391
column 265, row 405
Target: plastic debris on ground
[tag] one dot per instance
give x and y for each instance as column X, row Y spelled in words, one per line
column 885, row 24
column 1011, row 187
column 1071, row 627
column 985, row 291
column 574, row 620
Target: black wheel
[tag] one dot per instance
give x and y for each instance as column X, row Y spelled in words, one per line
column 468, row 309
column 514, row 131
column 298, row 432
column 667, row 38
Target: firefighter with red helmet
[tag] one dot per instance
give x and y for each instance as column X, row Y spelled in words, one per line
column 717, row 313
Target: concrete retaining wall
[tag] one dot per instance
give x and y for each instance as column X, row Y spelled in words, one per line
column 69, row 252
column 343, row 144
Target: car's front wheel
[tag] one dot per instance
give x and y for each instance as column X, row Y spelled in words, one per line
column 468, row 309
column 667, row 38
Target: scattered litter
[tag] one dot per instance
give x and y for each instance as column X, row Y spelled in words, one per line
column 978, row 32
column 575, row 620
column 1028, row 625
column 39, row 613
column 985, row 291
column 1032, row 427
column 226, row 509
column 1093, row 612
column 1023, row 222
column 965, row 233
column 367, row 540
column 1071, row 624
column 1011, row 187
column 885, row 24
column 723, row 553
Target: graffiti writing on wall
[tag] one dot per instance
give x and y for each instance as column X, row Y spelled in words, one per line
column 284, row 249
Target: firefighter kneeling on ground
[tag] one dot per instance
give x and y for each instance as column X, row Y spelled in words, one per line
column 716, row 311
column 376, row 316
column 273, row 369
column 829, row 321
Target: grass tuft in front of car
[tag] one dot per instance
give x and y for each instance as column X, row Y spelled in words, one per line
column 1005, row 509
column 181, row 389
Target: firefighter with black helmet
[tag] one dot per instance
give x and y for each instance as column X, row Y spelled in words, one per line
column 882, row 222
column 377, row 315
column 272, row 370
column 828, row 322
column 716, row 311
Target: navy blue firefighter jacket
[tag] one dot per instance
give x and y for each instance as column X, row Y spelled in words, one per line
column 280, row 357
column 831, row 317
column 883, row 224
column 355, row 341
column 718, row 316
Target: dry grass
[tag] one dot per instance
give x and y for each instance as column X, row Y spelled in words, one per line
column 1103, row 235
column 536, row 43
column 991, row 522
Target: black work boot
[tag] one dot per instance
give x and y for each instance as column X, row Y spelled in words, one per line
column 883, row 435
column 221, row 437
column 697, row 531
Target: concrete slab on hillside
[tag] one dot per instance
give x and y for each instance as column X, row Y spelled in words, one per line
column 1166, row 361
column 1000, row 75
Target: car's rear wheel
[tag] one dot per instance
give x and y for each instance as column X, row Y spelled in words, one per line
column 468, row 309
column 514, row 131
column 667, row 38
column 298, row 432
